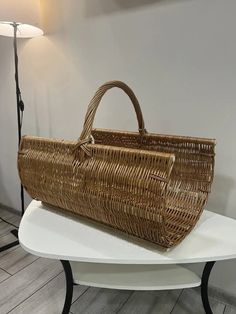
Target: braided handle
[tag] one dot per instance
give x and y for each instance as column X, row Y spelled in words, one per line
column 94, row 103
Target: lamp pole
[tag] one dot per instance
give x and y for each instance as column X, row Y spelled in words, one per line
column 19, row 103
column 24, row 22
column 20, row 110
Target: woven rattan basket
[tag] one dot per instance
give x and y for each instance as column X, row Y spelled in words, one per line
column 148, row 185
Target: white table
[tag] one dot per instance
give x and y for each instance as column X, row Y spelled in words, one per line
column 99, row 256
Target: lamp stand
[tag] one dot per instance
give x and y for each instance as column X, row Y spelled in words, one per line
column 20, row 104
column 20, row 110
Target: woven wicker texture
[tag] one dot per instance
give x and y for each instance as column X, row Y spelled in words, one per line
column 151, row 186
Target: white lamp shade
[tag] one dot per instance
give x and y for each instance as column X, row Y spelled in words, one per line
column 26, row 13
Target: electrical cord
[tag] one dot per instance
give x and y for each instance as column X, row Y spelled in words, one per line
column 9, row 223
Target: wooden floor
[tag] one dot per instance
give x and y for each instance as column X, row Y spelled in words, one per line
column 32, row 285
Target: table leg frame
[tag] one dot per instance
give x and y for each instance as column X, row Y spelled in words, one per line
column 204, row 286
column 69, row 286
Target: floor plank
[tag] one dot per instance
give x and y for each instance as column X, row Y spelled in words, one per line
column 151, row 302
column 49, row 299
column 230, row 310
column 190, row 303
column 221, row 295
column 5, row 228
column 3, row 275
column 100, row 301
column 12, row 217
column 15, row 220
column 15, row 260
column 22, row 285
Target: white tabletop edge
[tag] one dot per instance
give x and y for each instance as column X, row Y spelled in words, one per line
column 204, row 244
column 126, row 261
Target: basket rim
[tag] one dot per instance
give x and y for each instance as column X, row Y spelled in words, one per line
column 171, row 156
column 194, row 139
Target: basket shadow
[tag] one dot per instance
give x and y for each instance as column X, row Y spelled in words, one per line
column 116, row 233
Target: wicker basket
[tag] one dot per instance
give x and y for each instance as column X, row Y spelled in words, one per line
column 152, row 186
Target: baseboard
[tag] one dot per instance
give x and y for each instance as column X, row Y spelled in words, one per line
column 222, row 296
column 10, row 209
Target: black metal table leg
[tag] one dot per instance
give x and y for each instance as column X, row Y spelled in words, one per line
column 69, row 286
column 12, row 244
column 204, row 287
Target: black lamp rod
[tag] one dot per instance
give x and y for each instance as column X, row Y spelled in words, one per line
column 19, row 102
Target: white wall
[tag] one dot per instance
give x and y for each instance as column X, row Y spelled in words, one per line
column 177, row 55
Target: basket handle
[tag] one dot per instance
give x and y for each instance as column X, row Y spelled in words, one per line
column 85, row 136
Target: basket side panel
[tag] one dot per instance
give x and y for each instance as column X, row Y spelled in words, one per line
column 190, row 180
column 124, row 188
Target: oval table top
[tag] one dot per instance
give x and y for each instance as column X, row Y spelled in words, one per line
column 49, row 233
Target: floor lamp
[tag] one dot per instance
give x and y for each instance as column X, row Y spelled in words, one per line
column 19, row 19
